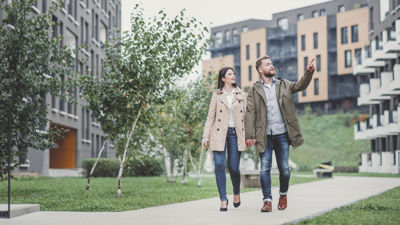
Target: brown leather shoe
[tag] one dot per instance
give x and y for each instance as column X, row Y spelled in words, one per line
column 282, row 202
column 267, row 207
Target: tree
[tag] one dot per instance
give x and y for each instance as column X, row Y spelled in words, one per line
column 31, row 65
column 140, row 67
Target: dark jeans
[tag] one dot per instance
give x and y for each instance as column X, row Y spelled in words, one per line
column 280, row 144
column 233, row 165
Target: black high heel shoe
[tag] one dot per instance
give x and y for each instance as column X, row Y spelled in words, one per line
column 224, row 209
column 237, row 204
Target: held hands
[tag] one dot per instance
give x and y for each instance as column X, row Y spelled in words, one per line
column 250, row 142
column 311, row 66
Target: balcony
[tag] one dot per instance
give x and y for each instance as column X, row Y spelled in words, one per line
column 394, row 85
column 379, row 125
column 364, row 98
column 374, row 93
column 278, row 33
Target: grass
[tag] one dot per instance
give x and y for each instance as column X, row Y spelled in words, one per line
column 326, row 138
column 69, row 194
column 349, row 174
column 380, row 209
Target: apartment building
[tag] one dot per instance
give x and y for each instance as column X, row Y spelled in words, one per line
column 292, row 38
column 81, row 22
column 378, row 69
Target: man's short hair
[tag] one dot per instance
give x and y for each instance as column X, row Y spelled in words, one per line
column 259, row 60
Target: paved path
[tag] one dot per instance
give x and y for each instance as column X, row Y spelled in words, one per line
column 304, row 200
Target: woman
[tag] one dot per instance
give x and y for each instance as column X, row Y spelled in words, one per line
column 224, row 129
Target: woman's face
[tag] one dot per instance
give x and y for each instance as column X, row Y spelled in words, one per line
column 230, row 77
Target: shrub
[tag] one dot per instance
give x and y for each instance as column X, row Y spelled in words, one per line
column 143, row 166
column 346, row 169
column 304, row 168
column 105, row 167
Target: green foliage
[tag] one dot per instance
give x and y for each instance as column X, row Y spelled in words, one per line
column 32, row 64
column 69, row 194
column 143, row 165
column 104, row 168
column 327, row 138
column 381, row 209
column 139, row 69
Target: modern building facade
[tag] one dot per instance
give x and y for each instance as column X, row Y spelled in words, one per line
column 80, row 22
column 292, row 38
column 378, row 70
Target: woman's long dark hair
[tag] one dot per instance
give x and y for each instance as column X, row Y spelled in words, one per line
column 221, row 74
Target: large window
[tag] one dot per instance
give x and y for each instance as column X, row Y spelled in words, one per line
column 218, row 39
column 245, row 29
column 318, row 63
column 343, row 32
column 304, row 93
column 347, row 58
column 316, row 86
column 322, row 12
column 314, row 14
column 247, row 52
column 258, row 50
column 315, row 40
column 341, row 8
column 235, row 35
column 300, row 17
column 228, row 36
column 283, row 23
column 354, row 33
column 250, row 75
column 357, row 55
column 305, row 62
column 303, row 42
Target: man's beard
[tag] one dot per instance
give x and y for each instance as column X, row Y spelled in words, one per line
column 269, row 75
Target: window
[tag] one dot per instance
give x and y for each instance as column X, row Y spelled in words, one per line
column 318, row 63
column 245, row 29
column 354, row 33
column 322, row 12
column 314, row 14
column 316, row 86
column 44, row 6
column 384, row 9
column 103, row 34
column 315, row 40
column 357, row 55
column 228, row 36
column 235, row 35
column 371, row 17
column 92, row 62
column 61, row 100
column 247, row 52
column 303, row 42
column 250, row 75
column 218, row 39
column 87, row 124
column 344, row 35
column 83, row 124
column 96, row 27
column 305, row 62
column 283, row 23
column 341, row 8
column 86, row 41
column 300, row 17
column 258, row 50
column 347, row 58
column 304, row 93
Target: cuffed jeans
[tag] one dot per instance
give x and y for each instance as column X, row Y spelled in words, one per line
column 280, row 144
column 233, row 165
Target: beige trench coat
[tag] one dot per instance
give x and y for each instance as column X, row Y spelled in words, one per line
column 216, row 126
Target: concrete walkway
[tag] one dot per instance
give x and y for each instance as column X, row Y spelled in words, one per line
column 304, row 201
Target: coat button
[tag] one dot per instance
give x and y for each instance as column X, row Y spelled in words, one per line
column 242, row 120
column 219, row 120
column 217, row 129
column 220, row 110
column 240, row 110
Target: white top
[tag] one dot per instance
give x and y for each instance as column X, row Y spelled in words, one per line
column 229, row 97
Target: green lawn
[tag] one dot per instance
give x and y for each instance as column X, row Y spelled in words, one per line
column 326, row 138
column 381, row 209
column 69, row 194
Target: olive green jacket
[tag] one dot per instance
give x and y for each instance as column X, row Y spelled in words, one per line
column 256, row 111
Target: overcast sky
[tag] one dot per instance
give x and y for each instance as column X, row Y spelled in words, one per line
column 213, row 12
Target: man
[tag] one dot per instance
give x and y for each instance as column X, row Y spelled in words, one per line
column 271, row 124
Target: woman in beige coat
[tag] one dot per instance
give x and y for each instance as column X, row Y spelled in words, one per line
column 224, row 129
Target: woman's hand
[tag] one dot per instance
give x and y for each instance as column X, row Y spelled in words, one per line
column 204, row 143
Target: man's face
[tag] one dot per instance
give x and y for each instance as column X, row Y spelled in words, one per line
column 267, row 68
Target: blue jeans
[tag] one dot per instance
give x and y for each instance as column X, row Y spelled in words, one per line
column 279, row 143
column 233, row 165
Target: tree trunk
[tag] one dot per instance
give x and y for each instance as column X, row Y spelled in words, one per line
column 184, row 181
column 169, row 176
column 94, row 166
column 122, row 162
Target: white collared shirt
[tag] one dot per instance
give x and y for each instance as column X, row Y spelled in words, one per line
column 229, row 98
